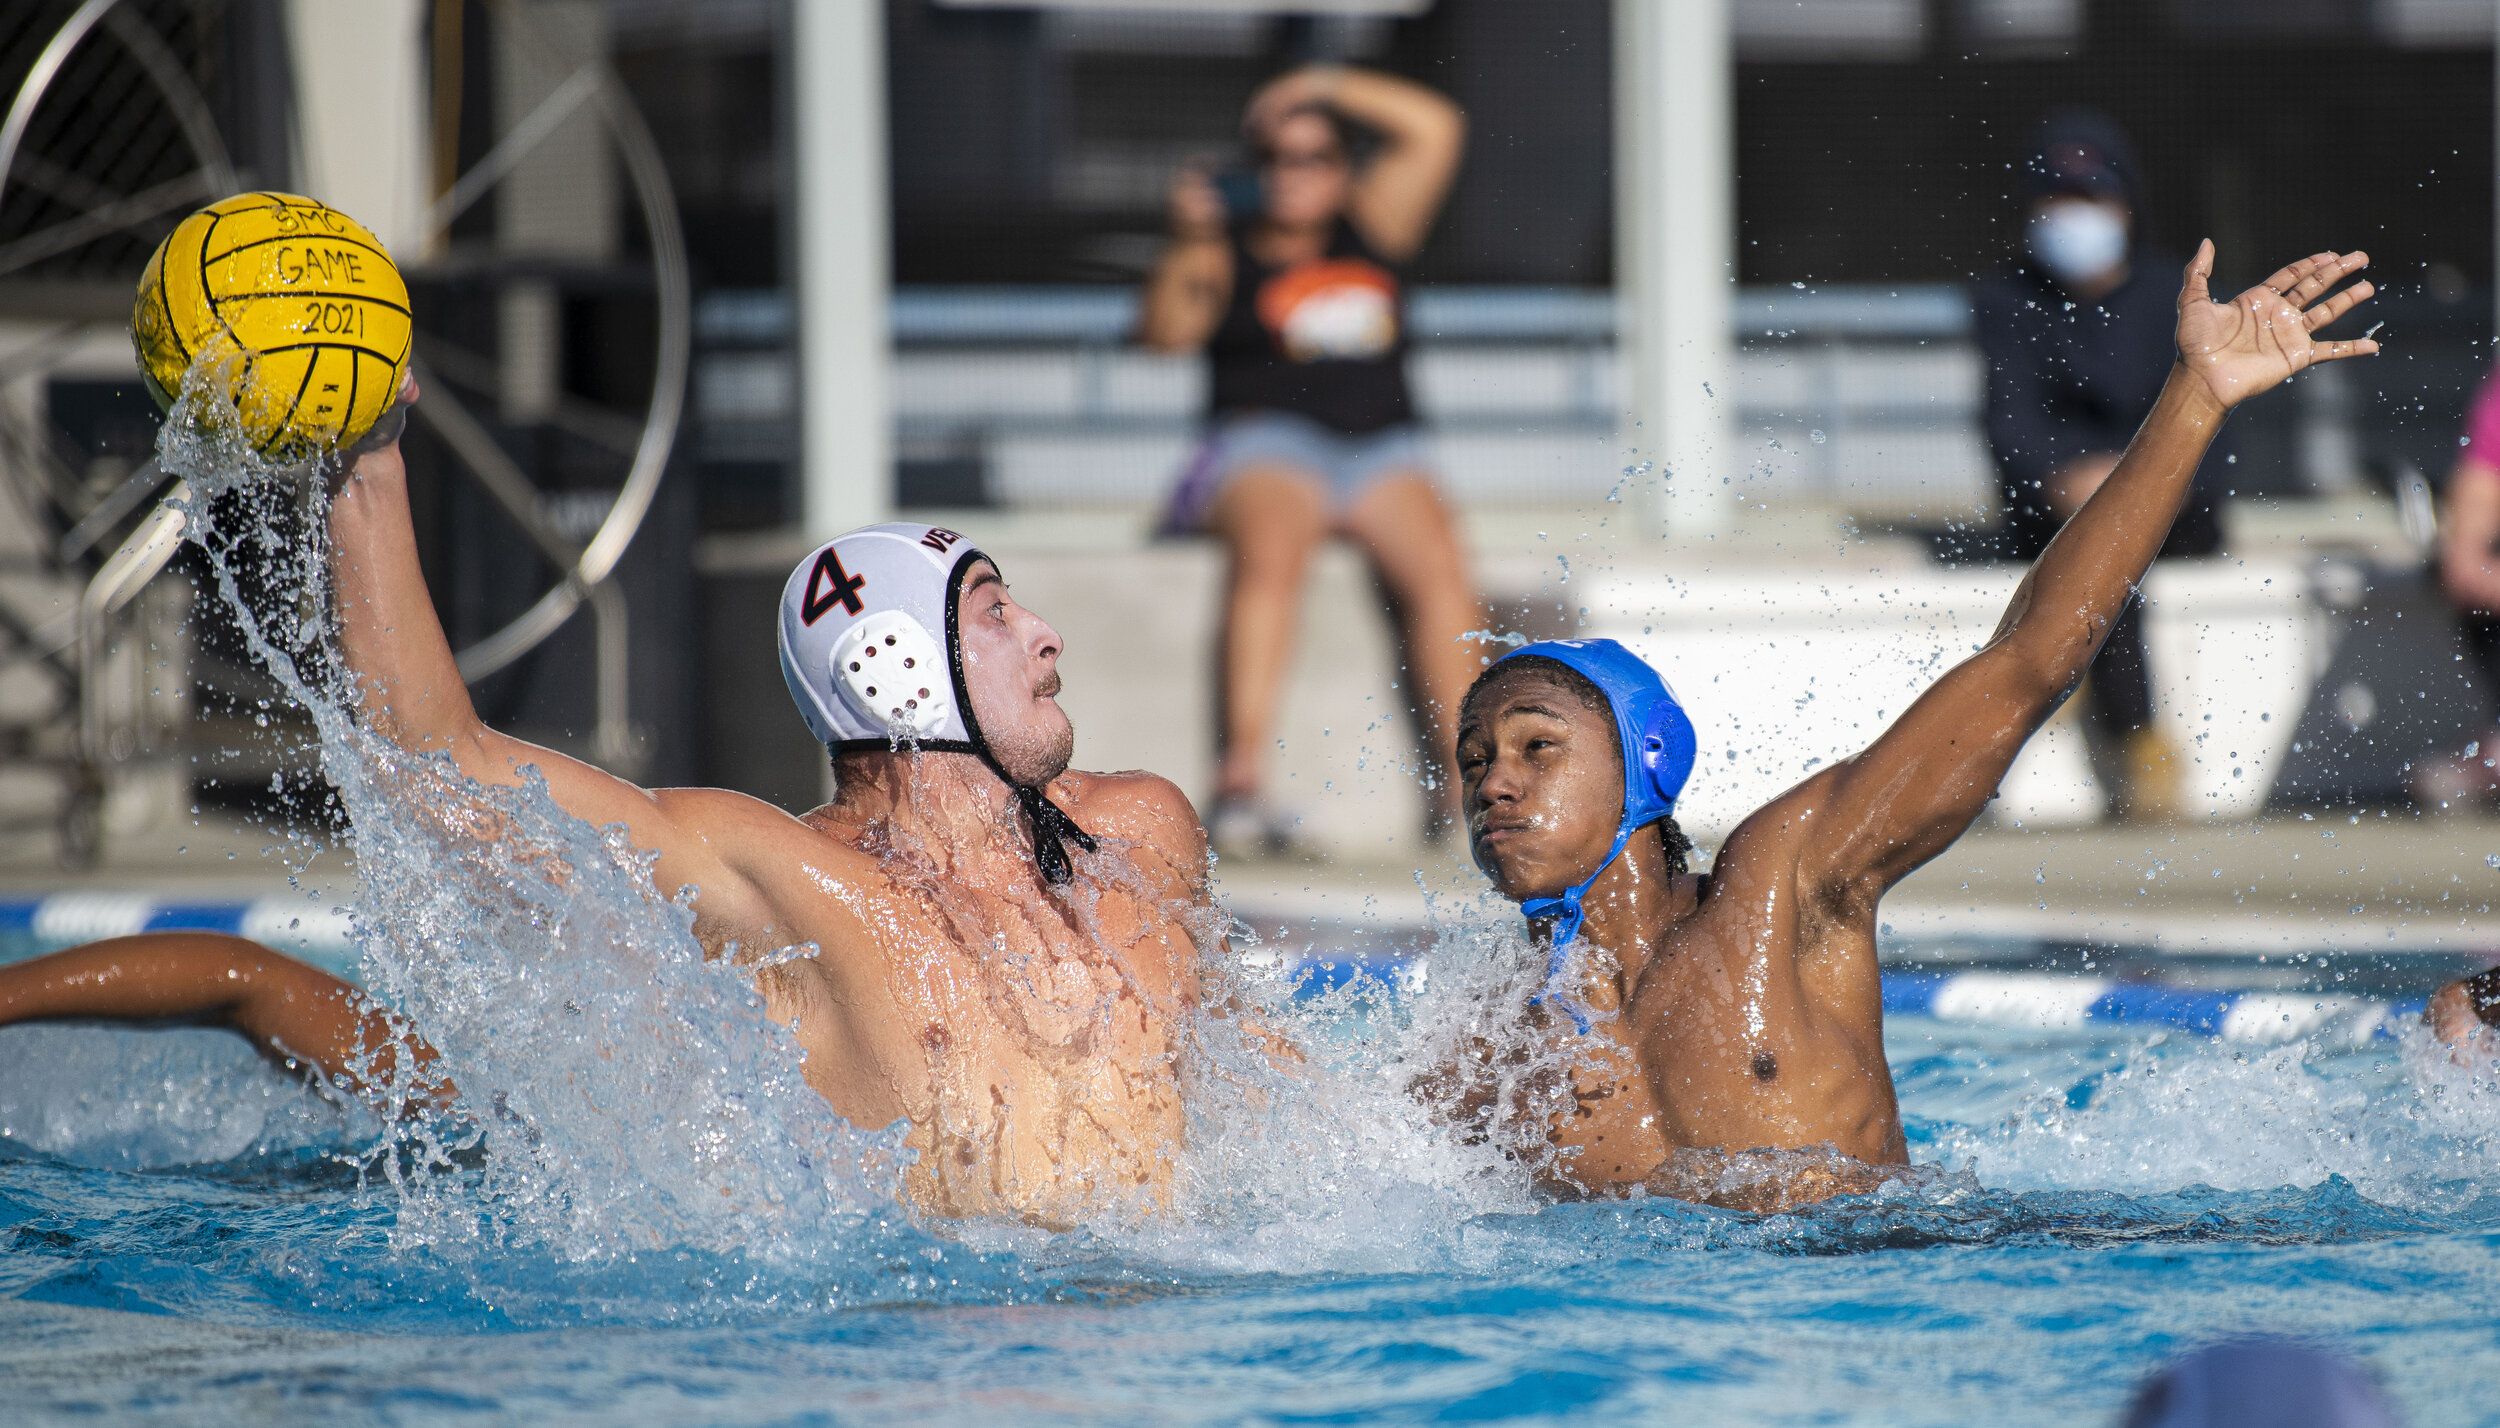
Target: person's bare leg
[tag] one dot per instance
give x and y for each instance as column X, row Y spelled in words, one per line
column 1403, row 526
column 1270, row 518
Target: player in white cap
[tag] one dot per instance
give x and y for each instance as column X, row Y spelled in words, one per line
column 1005, row 946
column 863, row 656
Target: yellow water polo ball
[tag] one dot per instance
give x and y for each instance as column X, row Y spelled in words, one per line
column 302, row 300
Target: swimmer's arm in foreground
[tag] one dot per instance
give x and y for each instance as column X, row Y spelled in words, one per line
column 411, row 692
column 1877, row 817
column 1763, row 1025
column 292, row 1012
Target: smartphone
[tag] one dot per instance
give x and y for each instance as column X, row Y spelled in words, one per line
column 1238, row 186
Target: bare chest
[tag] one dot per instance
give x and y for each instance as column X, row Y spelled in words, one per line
column 1031, row 1042
column 1766, row 1031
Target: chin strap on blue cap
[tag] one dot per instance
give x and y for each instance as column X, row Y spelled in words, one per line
column 1568, row 915
column 1658, row 750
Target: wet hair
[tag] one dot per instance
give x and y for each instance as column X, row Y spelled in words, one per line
column 1678, row 847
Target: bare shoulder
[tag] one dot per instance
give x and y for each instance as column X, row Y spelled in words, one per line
column 757, row 838
column 1137, row 807
column 721, row 813
column 1776, row 884
column 782, row 880
column 1769, row 844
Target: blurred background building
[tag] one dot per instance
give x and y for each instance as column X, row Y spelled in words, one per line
column 909, row 235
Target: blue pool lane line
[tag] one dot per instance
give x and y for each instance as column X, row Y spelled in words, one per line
column 2060, row 1001
column 2045, row 1001
column 290, row 924
column 2056, row 1001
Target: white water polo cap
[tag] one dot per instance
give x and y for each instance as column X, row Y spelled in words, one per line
column 871, row 652
column 868, row 640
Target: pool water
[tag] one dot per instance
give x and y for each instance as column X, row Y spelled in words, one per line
column 181, row 1243
column 640, row 1212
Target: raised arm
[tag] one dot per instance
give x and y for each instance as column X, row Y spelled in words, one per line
column 287, row 1009
column 410, row 690
column 1422, row 135
column 1876, row 817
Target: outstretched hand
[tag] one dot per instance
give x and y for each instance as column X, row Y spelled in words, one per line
column 2260, row 338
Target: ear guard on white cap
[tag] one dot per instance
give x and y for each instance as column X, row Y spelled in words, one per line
column 866, row 672
column 892, row 671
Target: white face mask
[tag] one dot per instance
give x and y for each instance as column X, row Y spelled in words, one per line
column 2078, row 241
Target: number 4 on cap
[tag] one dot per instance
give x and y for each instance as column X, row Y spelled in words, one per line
column 829, row 585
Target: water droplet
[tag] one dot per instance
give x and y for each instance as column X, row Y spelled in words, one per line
column 1816, row 436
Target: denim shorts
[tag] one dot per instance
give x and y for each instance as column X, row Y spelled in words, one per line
column 1347, row 465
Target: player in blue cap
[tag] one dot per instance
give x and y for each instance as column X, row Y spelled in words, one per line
column 1743, row 1007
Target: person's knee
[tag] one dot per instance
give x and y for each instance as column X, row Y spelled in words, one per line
column 1272, row 557
column 1424, row 572
column 1402, row 524
column 1275, row 538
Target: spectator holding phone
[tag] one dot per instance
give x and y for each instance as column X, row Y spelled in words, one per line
column 1298, row 304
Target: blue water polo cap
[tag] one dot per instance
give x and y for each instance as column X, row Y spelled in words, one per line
column 1657, row 735
column 1658, row 750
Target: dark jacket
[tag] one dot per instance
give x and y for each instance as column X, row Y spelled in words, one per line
column 2066, row 379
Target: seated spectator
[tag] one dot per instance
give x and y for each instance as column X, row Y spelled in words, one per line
column 1311, row 431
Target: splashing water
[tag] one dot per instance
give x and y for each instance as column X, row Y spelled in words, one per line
column 1346, row 1228
column 630, row 1093
column 2406, row 1125
column 624, row 1096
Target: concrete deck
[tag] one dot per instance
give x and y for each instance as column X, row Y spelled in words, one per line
column 2348, row 880
column 1140, row 686
column 2352, row 881
column 203, row 858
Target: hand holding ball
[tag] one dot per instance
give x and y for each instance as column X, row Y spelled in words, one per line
column 298, row 299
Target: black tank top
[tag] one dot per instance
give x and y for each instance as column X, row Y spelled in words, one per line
column 1324, row 339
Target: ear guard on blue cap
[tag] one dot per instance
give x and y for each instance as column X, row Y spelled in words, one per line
column 1658, row 751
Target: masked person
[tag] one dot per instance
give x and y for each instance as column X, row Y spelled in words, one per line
column 1742, row 1010
column 1005, row 951
column 2076, row 340
column 1299, row 306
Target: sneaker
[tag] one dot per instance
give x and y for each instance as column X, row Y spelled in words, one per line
column 1248, row 828
column 2151, row 779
